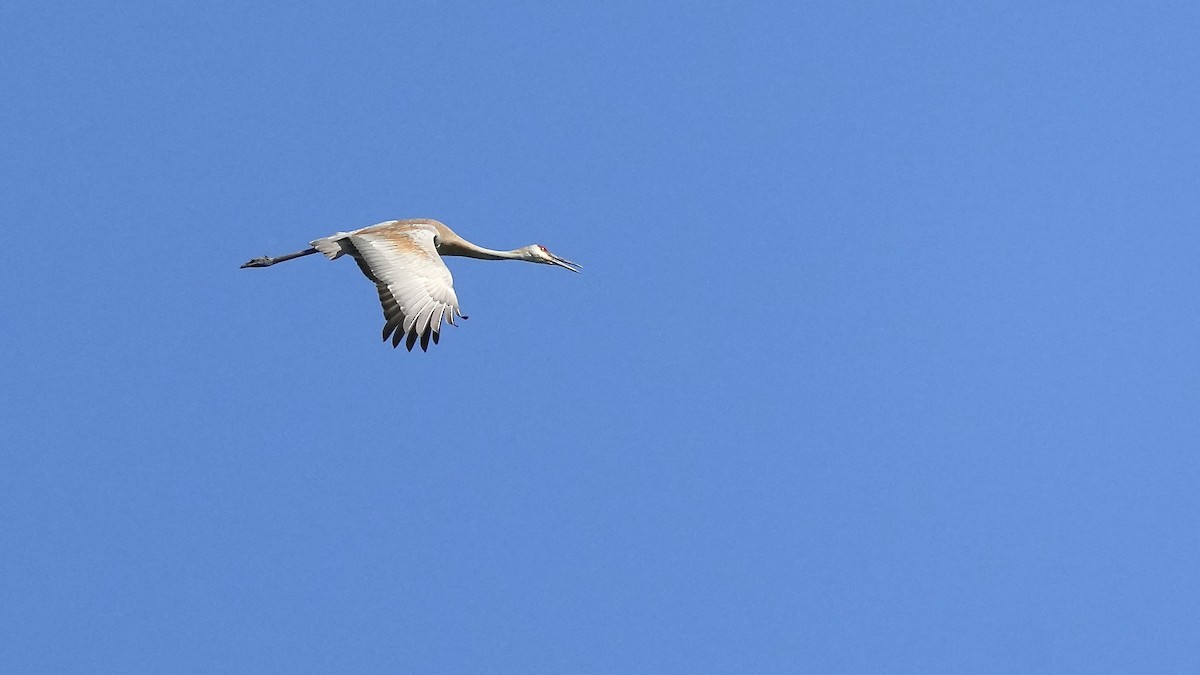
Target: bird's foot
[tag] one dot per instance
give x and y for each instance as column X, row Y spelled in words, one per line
column 265, row 261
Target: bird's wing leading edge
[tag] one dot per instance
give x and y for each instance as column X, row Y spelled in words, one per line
column 415, row 286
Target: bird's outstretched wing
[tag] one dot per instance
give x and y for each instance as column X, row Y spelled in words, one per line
column 415, row 286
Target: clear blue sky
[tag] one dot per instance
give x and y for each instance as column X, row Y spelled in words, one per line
column 884, row 357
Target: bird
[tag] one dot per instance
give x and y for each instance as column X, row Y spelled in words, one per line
column 403, row 258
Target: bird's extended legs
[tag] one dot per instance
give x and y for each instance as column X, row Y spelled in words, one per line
column 267, row 261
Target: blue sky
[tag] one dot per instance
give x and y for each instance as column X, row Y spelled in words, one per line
column 883, row 358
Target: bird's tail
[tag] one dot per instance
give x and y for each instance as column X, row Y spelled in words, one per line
column 333, row 246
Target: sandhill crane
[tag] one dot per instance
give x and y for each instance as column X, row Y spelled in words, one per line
column 403, row 258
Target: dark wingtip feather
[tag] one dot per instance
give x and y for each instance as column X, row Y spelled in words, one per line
column 436, row 334
column 412, row 340
column 425, row 340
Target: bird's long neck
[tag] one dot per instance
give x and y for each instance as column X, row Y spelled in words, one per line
column 461, row 247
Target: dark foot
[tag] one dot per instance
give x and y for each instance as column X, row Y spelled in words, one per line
column 265, row 261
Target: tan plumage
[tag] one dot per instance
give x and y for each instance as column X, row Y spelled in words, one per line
column 403, row 258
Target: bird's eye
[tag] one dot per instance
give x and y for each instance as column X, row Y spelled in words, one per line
column 543, row 248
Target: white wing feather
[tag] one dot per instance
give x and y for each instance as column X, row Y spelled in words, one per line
column 415, row 287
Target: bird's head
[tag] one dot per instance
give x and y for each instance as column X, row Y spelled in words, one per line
column 539, row 254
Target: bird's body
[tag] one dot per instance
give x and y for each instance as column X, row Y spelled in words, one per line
column 404, row 260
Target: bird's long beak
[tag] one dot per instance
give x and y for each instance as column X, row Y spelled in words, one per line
column 563, row 262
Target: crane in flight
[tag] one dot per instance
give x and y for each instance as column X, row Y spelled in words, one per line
column 404, row 260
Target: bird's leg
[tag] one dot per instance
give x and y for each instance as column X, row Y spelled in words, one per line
column 267, row 261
